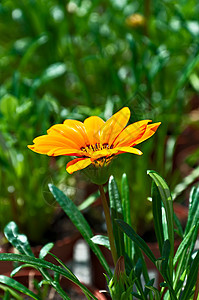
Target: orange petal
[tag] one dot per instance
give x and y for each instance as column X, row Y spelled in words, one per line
column 131, row 133
column 55, row 140
column 150, row 130
column 55, row 151
column 79, row 126
column 77, row 164
column 103, row 153
column 72, row 133
column 129, row 150
column 114, row 126
column 93, row 126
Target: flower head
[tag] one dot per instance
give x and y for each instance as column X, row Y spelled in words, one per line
column 94, row 142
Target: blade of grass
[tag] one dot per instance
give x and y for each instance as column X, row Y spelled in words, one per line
column 116, row 213
column 126, row 212
column 79, row 221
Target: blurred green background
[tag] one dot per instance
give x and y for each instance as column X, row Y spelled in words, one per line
column 73, row 59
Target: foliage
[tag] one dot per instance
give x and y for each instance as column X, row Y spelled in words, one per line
column 83, row 57
column 24, row 195
column 179, row 270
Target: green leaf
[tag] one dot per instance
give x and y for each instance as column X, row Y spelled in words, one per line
column 165, row 258
column 39, row 41
column 52, row 72
column 155, row 291
column 8, row 106
column 17, row 286
column 10, row 292
column 101, row 240
column 193, row 215
column 90, row 200
column 191, row 279
column 40, row 263
column 137, row 296
column 168, row 205
column 157, row 215
column 126, row 212
column 183, row 245
column 17, row 269
column 79, row 221
column 138, row 268
column 179, row 226
column 116, row 213
column 19, row 241
column 45, row 249
column 137, row 239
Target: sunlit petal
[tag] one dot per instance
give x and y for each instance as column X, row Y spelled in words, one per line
column 77, row 164
column 93, row 125
column 129, row 150
column 70, row 132
column 150, row 130
column 131, row 133
column 114, row 126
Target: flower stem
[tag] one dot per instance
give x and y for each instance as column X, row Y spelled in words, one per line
column 108, row 224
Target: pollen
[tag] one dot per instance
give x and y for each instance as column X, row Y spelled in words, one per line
column 93, row 148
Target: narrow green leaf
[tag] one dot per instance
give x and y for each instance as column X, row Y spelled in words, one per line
column 90, row 200
column 19, row 241
column 45, row 249
column 157, row 295
column 183, row 245
column 193, row 215
column 138, row 268
column 17, row 269
column 42, row 39
column 53, row 71
column 191, row 279
column 116, row 213
column 126, row 213
column 79, row 221
column 188, row 68
column 137, row 239
column 168, row 205
column 101, row 240
column 10, row 292
column 167, row 201
column 40, row 263
column 17, row 286
column 179, row 226
column 157, row 215
column 137, row 296
column 165, row 258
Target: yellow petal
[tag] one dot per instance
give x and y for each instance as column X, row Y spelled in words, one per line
column 55, row 151
column 103, row 153
column 79, row 126
column 55, row 140
column 129, row 150
column 114, row 126
column 93, row 125
column 72, row 133
column 131, row 133
column 150, row 130
column 77, row 164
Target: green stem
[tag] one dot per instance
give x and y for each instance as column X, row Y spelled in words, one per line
column 108, row 224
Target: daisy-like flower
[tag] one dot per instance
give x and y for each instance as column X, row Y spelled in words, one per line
column 94, row 142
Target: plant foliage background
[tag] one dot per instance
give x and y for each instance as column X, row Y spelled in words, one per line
column 73, row 59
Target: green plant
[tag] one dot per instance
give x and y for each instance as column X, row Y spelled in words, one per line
column 24, row 194
column 179, row 270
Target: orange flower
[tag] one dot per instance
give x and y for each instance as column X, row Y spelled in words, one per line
column 94, row 141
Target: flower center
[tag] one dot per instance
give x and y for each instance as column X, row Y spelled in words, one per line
column 93, row 148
